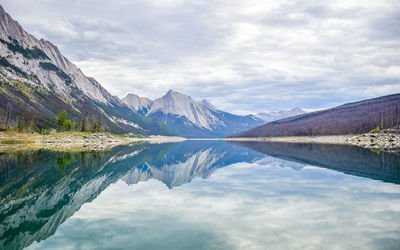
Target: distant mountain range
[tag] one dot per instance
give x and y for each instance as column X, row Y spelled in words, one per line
column 37, row 82
column 191, row 118
column 352, row 118
column 277, row 115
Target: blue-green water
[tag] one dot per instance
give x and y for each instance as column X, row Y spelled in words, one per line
column 202, row 195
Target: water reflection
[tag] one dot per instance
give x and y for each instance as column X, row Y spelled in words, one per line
column 41, row 190
column 347, row 159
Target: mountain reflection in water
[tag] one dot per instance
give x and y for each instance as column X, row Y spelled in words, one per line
column 40, row 190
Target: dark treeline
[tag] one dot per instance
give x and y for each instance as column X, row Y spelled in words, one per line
column 352, row 118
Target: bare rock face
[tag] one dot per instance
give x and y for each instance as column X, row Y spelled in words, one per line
column 178, row 104
column 136, row 102
column 191, row 118
column 44, row 60
column 38, row 82
column 388, row 139
column 277, row 115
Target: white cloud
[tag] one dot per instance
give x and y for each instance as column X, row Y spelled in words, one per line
column 246, row 56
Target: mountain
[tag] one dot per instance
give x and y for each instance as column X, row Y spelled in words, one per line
column 208, row 104
column 190, row 118
column 37, row 82
column 277, row 115
column 137, row 103
column 352, row 118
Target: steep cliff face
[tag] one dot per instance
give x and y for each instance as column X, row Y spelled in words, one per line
column 196, row 113
column 44, row 62
column 37, row 82
column 136, row 102
column 191, row 118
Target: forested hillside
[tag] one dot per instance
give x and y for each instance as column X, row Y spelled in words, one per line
column 351, row 118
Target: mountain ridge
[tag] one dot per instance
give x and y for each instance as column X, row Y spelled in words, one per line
column 38, row 82
column 191, row 118
column 350, row 118
column 281, row 114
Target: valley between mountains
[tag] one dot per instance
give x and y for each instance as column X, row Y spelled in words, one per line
column 37, row 82
column 42, row 91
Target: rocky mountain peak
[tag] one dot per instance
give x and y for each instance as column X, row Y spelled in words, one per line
column 44, row 60
column 175, row 94
column 176, row 103
column 208, row 104
column 297, row 110
column 281, row 114
column 51, row 82
column 189, row 117
column 136, row 102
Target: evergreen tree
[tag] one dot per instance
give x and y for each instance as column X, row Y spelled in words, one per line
column 68, row 124
column 95, row 126
column 61, row 120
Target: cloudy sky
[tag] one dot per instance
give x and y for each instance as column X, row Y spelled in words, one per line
column 244, row 56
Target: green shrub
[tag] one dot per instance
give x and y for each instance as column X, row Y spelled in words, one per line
column 68, row 124
column 375, row 130
column 43, row 131
column 61, row 120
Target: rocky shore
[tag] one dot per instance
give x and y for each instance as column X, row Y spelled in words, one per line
column 97, row 141
column 72, row 141
column 388, row 139
column 385, row 140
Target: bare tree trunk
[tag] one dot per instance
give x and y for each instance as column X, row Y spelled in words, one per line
column 9, row 109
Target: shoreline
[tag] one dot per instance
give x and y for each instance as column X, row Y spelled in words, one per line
column 387, row 140
column 85, row 141
column 73, row 141
column 326, row 139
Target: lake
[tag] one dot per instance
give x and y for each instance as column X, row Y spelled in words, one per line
column 201, row 195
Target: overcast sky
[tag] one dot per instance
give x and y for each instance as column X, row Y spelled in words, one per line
column 244, row 56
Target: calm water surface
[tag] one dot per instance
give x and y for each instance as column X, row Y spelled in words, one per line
column 202, row 195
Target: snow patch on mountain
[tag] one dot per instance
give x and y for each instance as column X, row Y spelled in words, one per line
column 277, row 115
